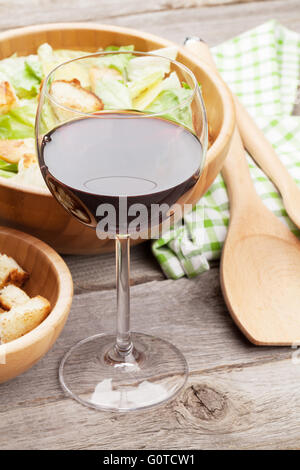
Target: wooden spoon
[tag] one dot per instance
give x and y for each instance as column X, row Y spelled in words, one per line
column 260, row 266
column 264, row 154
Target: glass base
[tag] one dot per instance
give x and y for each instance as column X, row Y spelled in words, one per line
column 94, row 374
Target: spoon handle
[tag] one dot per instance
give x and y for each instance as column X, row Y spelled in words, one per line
column 235, row 171
column 255, row 141
column 262, row 151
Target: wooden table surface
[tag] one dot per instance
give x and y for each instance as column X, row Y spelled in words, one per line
column 238, row 395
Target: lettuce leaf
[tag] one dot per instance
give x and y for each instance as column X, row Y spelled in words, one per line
column 68, row 54
column 119, row 48
column 78, row 69
column 170, row 98
column 19, row 122
column 34, row 67
column 113, row 93
column 8, row 166
column 146, row 81
column 6, row 174
column 144, row 99
column 7, row 170
column 116, row 61
column 145, row 65
column 19, row 73
column 50, row 59
column 48, row 118
column 146, row 76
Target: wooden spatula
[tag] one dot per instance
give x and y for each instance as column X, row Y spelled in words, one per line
column 260, row 266
column 264, row 154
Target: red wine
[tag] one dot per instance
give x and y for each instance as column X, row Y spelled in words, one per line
column 94, row 161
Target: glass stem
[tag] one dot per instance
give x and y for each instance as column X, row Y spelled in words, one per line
column 123, row 345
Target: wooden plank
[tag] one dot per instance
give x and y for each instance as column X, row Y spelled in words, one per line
column 19, row 13
column 253, row 407
column 214, row 25
column 170, row 19
column 189, row 313
column 98, row 272
column 239, row 395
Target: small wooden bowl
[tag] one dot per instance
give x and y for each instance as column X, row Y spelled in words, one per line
column 49, row 277
column 35, row 210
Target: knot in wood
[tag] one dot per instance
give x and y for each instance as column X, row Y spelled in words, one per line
column 203, row 402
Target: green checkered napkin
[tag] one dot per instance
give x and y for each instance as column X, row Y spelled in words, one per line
column 261, row 67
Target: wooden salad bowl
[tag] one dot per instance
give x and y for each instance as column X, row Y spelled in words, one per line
column 48, row 276
column 35, row 210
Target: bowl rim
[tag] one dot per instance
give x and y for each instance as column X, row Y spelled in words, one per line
column 227, row 127
column 64, row 294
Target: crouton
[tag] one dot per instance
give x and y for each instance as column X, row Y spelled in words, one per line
column 23, row 318
column 11, row 296
column 2, row 311
column 28, row 159
column 13, row 150
column 96, row 73
column 11, row 272
column 71, row 94
column 8, row 97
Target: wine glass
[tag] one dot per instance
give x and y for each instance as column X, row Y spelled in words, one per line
column 121, row 139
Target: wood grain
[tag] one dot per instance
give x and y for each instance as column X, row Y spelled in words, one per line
column 216, row 24
column 258, row 146
column 195, row 320
column 266, row 158
column 171, row 19
column 260, row 268
column 261, row 294
column 34, row 11
column 97, row 272
column 253, row 407
column 239, row 395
